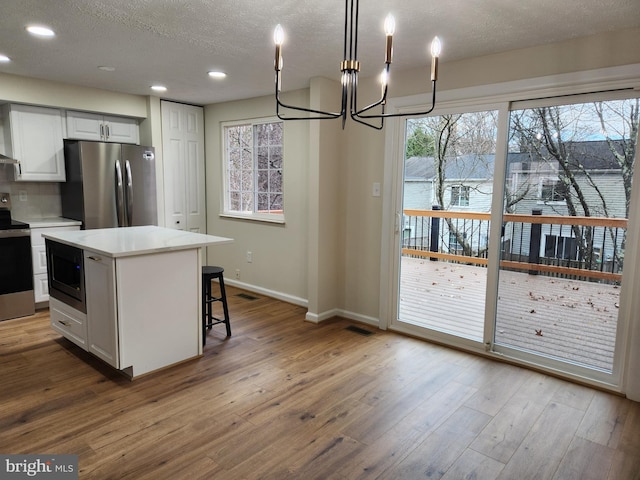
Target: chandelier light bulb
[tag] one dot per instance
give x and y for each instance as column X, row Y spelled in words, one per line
column 278, row 38
column 278, row 35
column 436, row 47
column 389, row 25
column 384, row 78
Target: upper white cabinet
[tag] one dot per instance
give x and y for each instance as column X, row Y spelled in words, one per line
column 34, row 138
column 104, row 128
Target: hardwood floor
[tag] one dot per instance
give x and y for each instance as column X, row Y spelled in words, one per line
column 283, row 398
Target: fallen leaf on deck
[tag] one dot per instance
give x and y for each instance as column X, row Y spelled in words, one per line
column 539, row 332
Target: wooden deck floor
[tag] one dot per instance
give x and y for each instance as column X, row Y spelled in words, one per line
column 569, row 319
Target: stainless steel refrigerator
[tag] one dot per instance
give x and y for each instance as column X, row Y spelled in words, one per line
column 109, row 184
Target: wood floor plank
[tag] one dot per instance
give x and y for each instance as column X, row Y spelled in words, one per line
column 605, row 419
column 392, row 447
column 472, row 464
column 508, row 428
column 544, row 447
column 585, row 460
column 440, row 450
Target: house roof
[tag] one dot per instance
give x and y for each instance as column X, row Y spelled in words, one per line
column 591, row 155
column 464, row 167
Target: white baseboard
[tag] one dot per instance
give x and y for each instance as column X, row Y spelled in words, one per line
column 310, row 317
column 302, row 302
column 337, row 312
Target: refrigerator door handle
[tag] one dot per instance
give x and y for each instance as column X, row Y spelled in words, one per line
column 119, row 195
column 129, row 196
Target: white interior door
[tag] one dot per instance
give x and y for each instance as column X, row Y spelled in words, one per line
column 184, row 166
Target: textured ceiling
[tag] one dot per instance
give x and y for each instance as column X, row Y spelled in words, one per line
column 175, row 42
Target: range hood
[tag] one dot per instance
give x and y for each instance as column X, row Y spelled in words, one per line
column 4, row 159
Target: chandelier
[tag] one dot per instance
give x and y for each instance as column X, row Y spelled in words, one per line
column 350, row 66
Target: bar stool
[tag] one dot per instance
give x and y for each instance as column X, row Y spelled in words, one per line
column 208, row 320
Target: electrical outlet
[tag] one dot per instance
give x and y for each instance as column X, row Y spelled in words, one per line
column 238, row 273
column 249, row 257
column 23, row 195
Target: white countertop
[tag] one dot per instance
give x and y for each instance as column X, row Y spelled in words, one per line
column 131, row 241
column 48, row 222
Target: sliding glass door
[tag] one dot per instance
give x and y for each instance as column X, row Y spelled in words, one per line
column 447, row 194
column 512, row 230
column 566, row 205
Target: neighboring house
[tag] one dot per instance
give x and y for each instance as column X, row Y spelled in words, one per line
column 535, row 184
column 467, row 187
column 539, row 185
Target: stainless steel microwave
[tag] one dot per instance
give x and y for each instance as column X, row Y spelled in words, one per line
column 65, row 268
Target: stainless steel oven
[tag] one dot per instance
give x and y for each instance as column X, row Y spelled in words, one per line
column 16, row 270
column 65, row 268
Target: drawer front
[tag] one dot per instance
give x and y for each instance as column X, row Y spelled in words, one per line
column 69, row 322
column 41, row 287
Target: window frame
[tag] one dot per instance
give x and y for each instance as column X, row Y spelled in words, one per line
column 225, row 201
column 463, row 193
column 554, row 182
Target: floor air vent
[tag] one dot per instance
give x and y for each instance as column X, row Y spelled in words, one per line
column 361, row 331
column 246, row 296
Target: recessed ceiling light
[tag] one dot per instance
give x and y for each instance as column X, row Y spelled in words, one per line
column 40, row 31
column 217, row 74
column 4, row 58
column 106, row 68
column 158, row 88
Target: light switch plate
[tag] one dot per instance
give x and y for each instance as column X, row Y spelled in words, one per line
column 376, row 189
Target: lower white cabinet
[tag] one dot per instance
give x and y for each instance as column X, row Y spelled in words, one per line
column 39, row 260
column 100, row 292
column 69, row 322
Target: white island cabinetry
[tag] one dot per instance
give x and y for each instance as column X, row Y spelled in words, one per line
column 100, row 292
column 143, row 295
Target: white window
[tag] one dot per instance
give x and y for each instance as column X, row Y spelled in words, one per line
column 253, row 168
column 552, row 190
column 556, row 246
column 460, row 196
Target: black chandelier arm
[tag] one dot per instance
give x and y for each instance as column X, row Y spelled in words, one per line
column 358, row 114
column 320, row 115
column 359, row 120
column 383, row 98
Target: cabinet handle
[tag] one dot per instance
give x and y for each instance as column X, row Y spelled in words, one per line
column 95, row 259
column 102, row 131
column 108, row 132
column 66, row 324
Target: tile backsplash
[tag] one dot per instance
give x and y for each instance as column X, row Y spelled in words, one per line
column 30, row 199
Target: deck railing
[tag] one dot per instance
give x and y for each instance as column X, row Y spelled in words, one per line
column 588, row 248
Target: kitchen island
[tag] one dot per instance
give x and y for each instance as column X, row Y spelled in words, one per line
column 142, row 286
